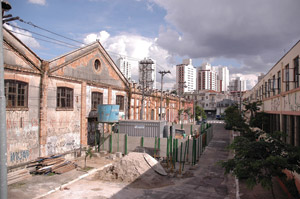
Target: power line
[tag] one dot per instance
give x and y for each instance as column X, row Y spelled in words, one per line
column 42, row 35
column 36, row 26
column 42, row 39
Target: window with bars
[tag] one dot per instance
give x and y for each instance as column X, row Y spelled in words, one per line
column 269, row 87
column 16, row 94
column 296, row 71
column 274, row 84
column 279, row 81
column 266, row 89
column 97, row 98
column 120, row 101
column 64, row 98
column 287, row 78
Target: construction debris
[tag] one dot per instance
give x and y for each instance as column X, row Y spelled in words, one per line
column 134, row 169
column 17, row 176
column 52, row 164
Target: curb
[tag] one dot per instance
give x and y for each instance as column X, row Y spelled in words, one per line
column 71, row 182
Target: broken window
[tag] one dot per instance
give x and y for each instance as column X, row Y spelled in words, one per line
column 16, row 94
column 120, row 101
column 97, row 98
column 64, row 97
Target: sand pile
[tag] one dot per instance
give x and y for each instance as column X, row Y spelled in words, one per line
column 134, row 168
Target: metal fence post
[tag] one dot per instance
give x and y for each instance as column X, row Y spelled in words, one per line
column 125, row 144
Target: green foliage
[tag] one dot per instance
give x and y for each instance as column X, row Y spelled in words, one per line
column 233, row 118
column 200, row 113
column 259, row 156
column 88, row 153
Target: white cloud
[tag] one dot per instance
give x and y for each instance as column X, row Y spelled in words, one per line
column 24, row 36
column 102, row 36
column 39, row 2
column 136, row 48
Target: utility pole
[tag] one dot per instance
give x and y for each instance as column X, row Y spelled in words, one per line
column 181, row 86
column 3, row 145
column 145, row 66
column 161, row 90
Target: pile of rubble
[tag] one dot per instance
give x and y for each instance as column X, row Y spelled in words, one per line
column 138, row 169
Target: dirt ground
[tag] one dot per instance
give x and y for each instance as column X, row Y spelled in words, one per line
column 41, row 184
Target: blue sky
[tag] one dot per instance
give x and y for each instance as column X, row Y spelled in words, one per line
column 247, row 36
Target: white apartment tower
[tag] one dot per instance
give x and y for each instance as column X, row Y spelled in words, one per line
column 185, row 76
column 124, row 66
column 223, row 78
column 148, row 72
column 206, row 77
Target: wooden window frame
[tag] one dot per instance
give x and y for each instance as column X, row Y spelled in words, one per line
column 16, row 94
column 64, row 98
column 120, row 101
column 97, row 98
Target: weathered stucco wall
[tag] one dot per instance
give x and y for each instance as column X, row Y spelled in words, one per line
column 288, row 103
column 63, row 126
column 23, row 124
column 82, row 67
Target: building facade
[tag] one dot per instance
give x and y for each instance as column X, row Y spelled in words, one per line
column 237, row 85
column 223, row 78
column 125, row 67
column 185, row 77
column 279, row 92
column 206, row 78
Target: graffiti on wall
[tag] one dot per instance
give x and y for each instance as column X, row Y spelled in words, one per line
column 275, row 104
column 19, row 156
column 292, row 102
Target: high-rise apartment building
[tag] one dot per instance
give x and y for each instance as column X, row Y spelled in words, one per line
column 147, row 73
column 223, row 78
column 206, row 77
column 185, row 76
column 125, row 67
column 237, row 85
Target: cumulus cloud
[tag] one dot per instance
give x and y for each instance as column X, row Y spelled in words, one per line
column 24, row 36
column 255, row 33
column 136, row 48
column 102, row 36
column 39, row 2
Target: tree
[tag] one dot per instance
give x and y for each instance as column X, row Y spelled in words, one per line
column 258, row 161
column 259, row 156
column 200, row 113
column 234, row 119
column 253, row 108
